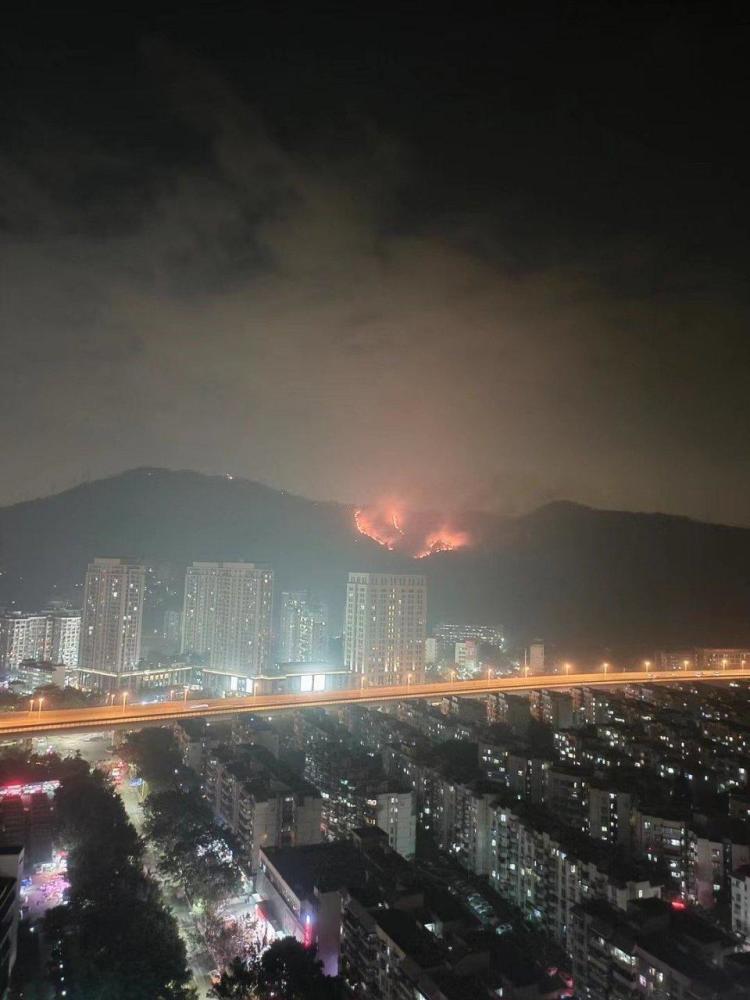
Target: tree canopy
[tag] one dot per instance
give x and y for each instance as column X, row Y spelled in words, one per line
column 285, row 971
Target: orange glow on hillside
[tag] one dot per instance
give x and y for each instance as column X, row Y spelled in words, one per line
column 444, row 540
column 382, row 525
column 416, row 536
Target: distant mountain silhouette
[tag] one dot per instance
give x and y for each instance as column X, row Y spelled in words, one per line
column 570, row 573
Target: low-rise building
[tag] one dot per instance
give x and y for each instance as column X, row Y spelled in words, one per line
column 545, row 869
column 652, row 951
column 11, row 873
column 662, row 836
column 263, row 803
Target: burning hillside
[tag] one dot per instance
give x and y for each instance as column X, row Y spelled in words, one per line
column 416, row 534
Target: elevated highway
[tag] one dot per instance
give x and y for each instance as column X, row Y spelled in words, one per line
column 127, row 715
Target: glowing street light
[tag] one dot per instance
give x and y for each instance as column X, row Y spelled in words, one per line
column 647, row 665
column 526, row 670
column 41, row 701
column 31, row 705
column 685, row 664
column 605, row 667
column 453, row 676
column 567, row 668
column 124, row 701
column 724, row 663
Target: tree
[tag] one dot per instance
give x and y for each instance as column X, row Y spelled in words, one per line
column 285, row 971
column 193, row 849
column 65, row 697
column 154, row 752
column 238, row 982
column 121, row 941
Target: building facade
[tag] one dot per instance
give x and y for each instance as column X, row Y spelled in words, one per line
column 63, row 637
column 303, row 629
column 22, row 637
column 50, row 637
column 384, row 627
column 263, row 804
column 227, row 616
column 111, row 621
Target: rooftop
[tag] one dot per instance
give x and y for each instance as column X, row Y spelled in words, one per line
column 325, row 867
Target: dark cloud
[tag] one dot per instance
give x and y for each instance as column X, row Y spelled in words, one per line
column 332, row 308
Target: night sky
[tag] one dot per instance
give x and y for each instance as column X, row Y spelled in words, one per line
column 461, row 259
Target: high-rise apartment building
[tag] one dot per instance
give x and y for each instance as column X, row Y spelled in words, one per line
column 303, row 629
column 111, row 621
column 63, row 636
column 172, row 629
column 51, row 636
column 227, row 616
column 384, row 629
column 22, row 637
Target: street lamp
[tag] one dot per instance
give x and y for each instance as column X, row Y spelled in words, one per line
column 567, row 668
column 605, row 667
column 685, row 664
column 185, row 693
column 124, row 701
column 453, row 676
column 526, row 670
column 362, row 681
column 647, row 665
column 724, row 663
column 31, row 705
column 408, row 680
column 489, row 673
column 41, row 700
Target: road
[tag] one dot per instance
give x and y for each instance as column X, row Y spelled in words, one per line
column 128, row 715
column 200, row 962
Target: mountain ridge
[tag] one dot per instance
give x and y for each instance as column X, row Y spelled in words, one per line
column 572, row 573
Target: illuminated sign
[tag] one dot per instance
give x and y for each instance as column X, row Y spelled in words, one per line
column 33, row 788
column 307, row 939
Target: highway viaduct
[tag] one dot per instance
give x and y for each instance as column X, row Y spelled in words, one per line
column 126, row 714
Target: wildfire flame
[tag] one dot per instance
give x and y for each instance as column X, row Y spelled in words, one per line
column 388, row 526
column 444, row 540
column 383, row 526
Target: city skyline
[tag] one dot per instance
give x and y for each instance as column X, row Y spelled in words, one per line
column 373, row 381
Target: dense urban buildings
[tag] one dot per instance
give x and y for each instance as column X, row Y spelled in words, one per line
column 226, row 619
column 303, row 629
column 111, row 622
column 262, row 801
column 384, row 627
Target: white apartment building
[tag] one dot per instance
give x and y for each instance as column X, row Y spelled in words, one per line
column 397, row 816
column 50, row 636
column 111, row 621
column 303, row 629
column 384, row 627
column 22, row 637
column 227, row 616
column 63, row 637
